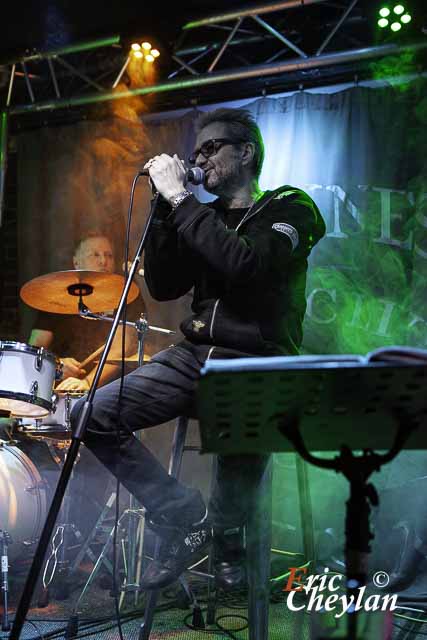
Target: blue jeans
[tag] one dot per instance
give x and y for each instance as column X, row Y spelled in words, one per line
column 162, row 390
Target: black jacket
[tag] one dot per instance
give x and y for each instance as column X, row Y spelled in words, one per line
column 249, row 283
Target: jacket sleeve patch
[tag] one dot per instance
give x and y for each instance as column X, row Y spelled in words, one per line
column 284, row 194
column 288, row 230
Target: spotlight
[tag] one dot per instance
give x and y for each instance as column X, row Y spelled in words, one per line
column 395, row 25
column 144, row 51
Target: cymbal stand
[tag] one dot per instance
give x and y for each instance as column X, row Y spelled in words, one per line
column 85, row 312
column 5, row 540
column 132, row 556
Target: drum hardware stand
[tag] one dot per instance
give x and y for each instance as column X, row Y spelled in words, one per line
column 132, row 554
column 57, row 563
column 85, row 549
column 78, row 435
column 5, row 540
column 102, row 558
column 73, row 621
column 133, row 557
column 141, row 326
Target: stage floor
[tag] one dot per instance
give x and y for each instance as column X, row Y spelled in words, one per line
column 97, row 617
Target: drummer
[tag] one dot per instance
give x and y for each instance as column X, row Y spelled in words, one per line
column 73, row 338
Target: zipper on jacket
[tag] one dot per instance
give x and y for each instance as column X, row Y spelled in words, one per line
column 213, row 319
column 253, row 212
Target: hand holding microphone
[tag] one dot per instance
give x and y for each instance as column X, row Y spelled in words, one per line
column 170, row 176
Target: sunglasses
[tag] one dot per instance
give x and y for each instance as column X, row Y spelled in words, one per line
column 211, row 147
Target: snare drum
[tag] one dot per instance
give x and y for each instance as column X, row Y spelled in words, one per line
column 22, row 499
column 57, row 424
column 27, row 376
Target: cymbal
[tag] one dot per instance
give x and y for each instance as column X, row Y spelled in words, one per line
column 58, row 292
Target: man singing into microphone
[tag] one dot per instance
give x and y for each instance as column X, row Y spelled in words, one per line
column 245, row 256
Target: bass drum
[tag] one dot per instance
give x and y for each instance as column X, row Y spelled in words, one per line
column 23, row 500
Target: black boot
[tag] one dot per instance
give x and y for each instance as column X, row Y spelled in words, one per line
column 179, row 549
column 229, row 558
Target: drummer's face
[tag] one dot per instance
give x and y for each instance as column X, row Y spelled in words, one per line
column 95, row 254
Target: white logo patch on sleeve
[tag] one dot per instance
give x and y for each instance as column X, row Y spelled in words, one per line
column 288, row 230
column 283, row 194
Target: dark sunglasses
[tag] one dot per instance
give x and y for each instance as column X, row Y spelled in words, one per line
column 211, row 147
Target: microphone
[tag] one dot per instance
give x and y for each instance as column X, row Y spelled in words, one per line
column 196, row 175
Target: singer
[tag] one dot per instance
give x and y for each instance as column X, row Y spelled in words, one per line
column 245, row 256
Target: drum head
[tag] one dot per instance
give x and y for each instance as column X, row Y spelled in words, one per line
column 20, row 409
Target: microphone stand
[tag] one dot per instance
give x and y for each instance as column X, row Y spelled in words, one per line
column 77, row 438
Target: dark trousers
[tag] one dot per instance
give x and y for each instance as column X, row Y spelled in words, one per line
column 162, row 390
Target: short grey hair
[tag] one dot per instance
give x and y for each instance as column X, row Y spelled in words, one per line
column 242, row 125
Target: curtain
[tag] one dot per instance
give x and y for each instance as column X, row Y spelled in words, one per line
column 360, row 153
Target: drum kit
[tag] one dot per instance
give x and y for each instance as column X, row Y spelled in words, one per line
column 30, row 407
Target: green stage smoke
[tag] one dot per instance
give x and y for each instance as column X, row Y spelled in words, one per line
column 371, row 288
column 395, row 68
column 356, row 310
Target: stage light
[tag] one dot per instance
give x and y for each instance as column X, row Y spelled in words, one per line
column 144, row 52
column 395, row 24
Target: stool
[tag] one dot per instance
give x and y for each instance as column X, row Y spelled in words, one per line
column 258, row 543
column 258, row 540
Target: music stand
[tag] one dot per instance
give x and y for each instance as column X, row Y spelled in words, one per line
column 321, row 403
